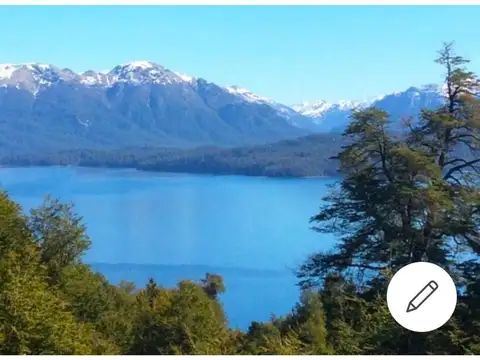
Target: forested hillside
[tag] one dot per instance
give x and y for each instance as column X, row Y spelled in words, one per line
column 303, row 157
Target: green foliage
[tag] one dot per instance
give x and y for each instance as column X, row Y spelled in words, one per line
column 184, row 320
column 95, row 301
column 402, row 199
column 60, row 234
column 267, row 339
column 213, row 285
column 33, row 319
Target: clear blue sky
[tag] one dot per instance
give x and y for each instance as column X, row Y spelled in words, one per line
column 289, row 54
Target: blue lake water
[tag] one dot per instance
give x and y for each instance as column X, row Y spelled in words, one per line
column 252, row 231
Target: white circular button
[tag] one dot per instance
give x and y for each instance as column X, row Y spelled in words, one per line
column 421, row 297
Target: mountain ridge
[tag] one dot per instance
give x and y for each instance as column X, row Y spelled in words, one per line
column 135, row 104
column 142, row 103
column 399, row 104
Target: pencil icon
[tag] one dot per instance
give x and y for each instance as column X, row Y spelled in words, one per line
column 422, row 296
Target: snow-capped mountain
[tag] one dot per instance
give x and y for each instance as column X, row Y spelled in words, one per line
column 318, row 109
column 326, row 116
column 322, row 116
column 335, row 116
column 248, row 95
column 291, row 115
column 140, row 103
column 37, row 76
column 143, row 103
column 144, row 72
column 92, row 78
column 32, row 77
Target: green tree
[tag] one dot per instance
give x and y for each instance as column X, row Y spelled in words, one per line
column 33, row 318
column 268, row 339
column 450, row 136
column 307, row 323
column 404, row 198
column 93, row 300
column 213, row 285
column 60, row 234
column 184, row 320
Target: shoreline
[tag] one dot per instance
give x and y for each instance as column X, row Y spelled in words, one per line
column 106, row 167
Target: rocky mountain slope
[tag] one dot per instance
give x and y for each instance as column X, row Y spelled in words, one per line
column 43, row 107
column 46, row 108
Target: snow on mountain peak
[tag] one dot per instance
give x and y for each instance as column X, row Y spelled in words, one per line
column 185, row 77
column 6, row 70
column 135, row 67
column 247, row 95
column 440, row 89
column 95, row 78
column 140, row 64
column 33, row 76
column 316, row 108
column 144, row 72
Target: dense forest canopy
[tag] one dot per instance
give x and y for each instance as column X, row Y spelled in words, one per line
column 400, row 200
column 304, row 157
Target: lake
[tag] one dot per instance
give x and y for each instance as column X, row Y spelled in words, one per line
column 252, row 231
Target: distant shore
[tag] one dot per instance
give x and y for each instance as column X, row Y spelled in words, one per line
column 16, row 166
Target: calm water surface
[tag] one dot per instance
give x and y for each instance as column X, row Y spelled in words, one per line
column 252, row 231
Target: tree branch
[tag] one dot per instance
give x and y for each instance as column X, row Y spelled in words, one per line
column 460, row 167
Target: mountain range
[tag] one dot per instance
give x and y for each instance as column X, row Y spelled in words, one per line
column 47, row 108
column 334, row 117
